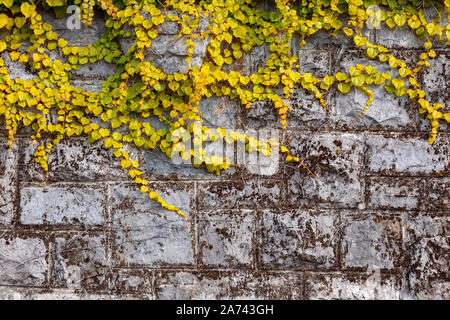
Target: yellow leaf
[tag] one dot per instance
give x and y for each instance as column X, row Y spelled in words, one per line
column 27, row 9
column 4, row 19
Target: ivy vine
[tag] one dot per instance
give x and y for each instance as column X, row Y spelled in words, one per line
column 138, row 90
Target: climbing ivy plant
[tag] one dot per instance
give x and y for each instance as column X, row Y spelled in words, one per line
column 118, row 115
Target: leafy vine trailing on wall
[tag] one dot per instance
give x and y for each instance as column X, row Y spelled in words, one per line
column 139, row 90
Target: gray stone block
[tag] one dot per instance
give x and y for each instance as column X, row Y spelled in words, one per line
column 226, row 238
column 62, row 205
column 408, row 156
column 133, row 281
column 146, row 234
column 94, row 85
column 225, row 285
column 316, row 62
column 436, row 80
column 79, row 160
column 395, row 193
column 438, row 193
column 427, row 254
column 171, row 64
column 82, row 37
column 8, row 182
column 219, row 112
column 161, row 44
column 387, row 111
column 371, row 241
column 322, row 40
column 352, row 286
column 305, row 113
column 179, row 47
column 16, row 69
column 80, row 262
column 336, row 160
column 302, row 239
column 240, row 194
column 168, row 27
column 401, row 38
column 23, row 261
column 97, row 70
column 29, row 169
column 254, row 59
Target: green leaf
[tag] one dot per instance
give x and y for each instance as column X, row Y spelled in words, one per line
column 344, row 87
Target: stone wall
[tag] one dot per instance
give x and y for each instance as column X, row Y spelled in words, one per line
column 380, row 207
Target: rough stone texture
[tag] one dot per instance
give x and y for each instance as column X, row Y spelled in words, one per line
column 373, row 224
column 63, row 205
column 80, row 261
column 300, row 239
column 239, row 194
column 147, row 235
column 226, row 285
column 352, row 286
column 8, row 185
column 226, row 238
column 392, row 193
column 386, row 112
column 336, row 160
column 407, row 156
column 427, row 252
column 371, row 241
column 23, row 260
column 436, row 79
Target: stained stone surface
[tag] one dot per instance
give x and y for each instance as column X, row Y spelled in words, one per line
column 369, row 221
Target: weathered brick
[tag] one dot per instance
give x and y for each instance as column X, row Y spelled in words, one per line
column 226, row 238
column 219, row 112
column 138, row 282
column 352, row 286
column 395, row 193
column 322, row 40
column 80, row 262
column 254, row 59
column 17, row 293
column 402, row 38
column 437, row 193
column 80, row 160
column 92, row 85
column 407, row 155
column 336, row 160
column 226, row 285
column 240, row 194
column 8, row 183
column 159, row 166
column 146, row 234
column 426, row 254
column 23, row 260
column 97, row 70
column 216, row 111
column 16, row 69
column 316, row 62
column 62, row 205
column 76, row 37
column 299, row 239
column 436, row 80
column 371, row 240
column 29, row 169
column 386, row 110
column 305, row 113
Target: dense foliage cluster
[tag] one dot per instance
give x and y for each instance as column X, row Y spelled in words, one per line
column 138, row 90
